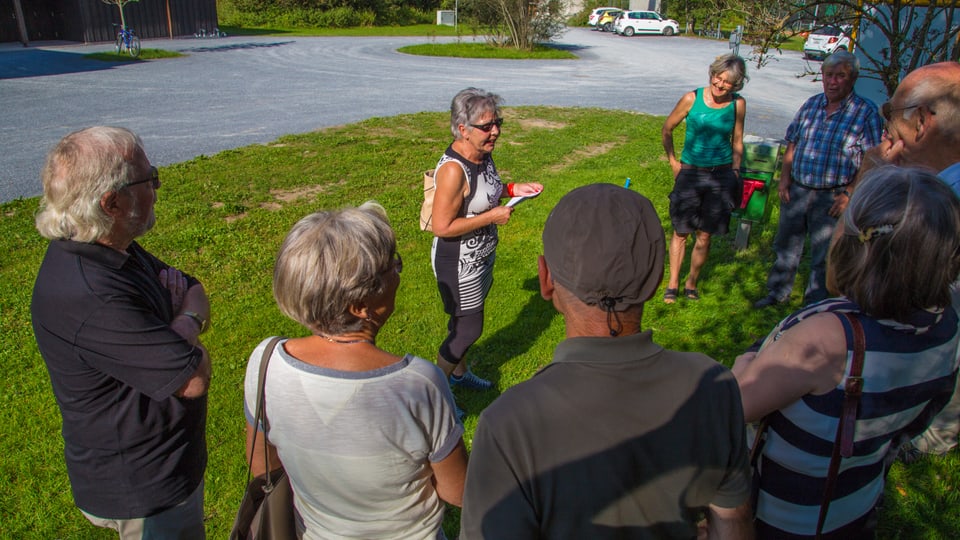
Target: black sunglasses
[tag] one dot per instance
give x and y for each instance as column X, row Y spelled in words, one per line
column 154, row 179
column 488, row 126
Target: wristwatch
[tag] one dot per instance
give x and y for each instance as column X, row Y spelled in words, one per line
column 203, row 323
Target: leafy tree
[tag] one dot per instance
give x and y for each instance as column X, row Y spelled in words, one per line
column 912, row 32
column 120, row 4
column 516, row 23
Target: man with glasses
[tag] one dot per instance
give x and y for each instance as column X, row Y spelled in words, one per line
column 923, row 129
column 923, row 122
column 119, row 332
column 825, row 146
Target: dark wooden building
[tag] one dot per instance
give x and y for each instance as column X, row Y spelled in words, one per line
column 92, row 20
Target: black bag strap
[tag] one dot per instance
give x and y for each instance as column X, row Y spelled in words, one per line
column 853, row 389
column 261, row 413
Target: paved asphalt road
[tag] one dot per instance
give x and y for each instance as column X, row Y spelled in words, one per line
column 235, row 91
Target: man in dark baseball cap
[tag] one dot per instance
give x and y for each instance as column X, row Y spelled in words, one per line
column 616, row 437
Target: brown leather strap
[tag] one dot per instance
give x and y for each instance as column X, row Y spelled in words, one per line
column 261, row 410
column 843, row 445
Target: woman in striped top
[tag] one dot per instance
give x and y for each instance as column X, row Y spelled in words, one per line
column 894, row 255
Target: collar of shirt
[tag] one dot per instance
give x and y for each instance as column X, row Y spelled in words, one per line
column 97, row 252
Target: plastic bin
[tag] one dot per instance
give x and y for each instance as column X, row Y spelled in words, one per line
column 760, row 164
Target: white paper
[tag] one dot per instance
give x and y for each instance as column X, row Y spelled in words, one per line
column 517, row 200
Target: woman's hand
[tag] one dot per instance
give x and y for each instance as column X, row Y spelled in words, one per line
column 675, row 167
column 742, row 362
column 526, row 189
column 499, row 215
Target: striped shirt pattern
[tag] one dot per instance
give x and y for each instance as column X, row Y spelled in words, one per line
column 909, row 374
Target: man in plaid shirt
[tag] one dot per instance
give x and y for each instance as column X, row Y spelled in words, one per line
column 825, row 145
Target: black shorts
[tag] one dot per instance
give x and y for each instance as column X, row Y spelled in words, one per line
column 702, row 200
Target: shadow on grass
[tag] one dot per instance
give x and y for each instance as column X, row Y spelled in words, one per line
column 511, row 341
column 921, row 500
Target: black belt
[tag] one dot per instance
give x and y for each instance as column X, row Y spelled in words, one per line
column 706, row 169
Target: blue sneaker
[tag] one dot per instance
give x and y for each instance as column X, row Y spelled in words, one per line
column 471, row 381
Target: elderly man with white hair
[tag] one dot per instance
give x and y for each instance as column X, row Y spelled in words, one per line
column 119, row 332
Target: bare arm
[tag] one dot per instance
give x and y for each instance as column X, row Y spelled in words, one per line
column 523, row 189
column 737, row 142
column 449, row 198
column 449, row 475
column 809, row 358
column 730, row 523
column 258, row 466
column 783, row 189
column 679, row 112
column 199, row 382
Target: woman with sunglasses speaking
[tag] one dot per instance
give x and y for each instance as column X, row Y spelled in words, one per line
column 466, row 212
column 707, row 185
column 369, row 439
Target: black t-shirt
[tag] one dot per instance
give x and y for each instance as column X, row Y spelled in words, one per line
column 101, row 320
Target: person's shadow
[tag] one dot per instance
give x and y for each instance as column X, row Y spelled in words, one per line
column 512, row 340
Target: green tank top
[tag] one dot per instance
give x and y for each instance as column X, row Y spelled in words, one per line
column 709, row 132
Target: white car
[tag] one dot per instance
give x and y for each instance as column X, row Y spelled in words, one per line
column 645, row 22
column 597, row 13
column 826, row 41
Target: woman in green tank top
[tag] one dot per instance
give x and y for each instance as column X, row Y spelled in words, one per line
column 707, row 185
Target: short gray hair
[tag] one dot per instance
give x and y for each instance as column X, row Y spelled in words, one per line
column 842, row 57
column 470, row 104
column 78, row 172
column 899, row 250
column 330, row 261
column 733, row 64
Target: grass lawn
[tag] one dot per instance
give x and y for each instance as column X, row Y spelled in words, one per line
column 145, row 54
column 222, row 218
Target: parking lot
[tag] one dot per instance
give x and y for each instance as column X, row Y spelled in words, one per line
column 236, row 91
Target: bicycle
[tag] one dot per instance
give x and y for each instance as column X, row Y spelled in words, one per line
column 127, row 40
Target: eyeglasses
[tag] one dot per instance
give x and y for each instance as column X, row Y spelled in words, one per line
column 887, row 110
column 488, row 126
column 154, row 179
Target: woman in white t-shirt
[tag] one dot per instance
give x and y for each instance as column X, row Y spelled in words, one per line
column 369, row 439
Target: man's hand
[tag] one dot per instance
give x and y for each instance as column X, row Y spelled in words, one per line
column 888, row 152
column 840, row 202
column 199, row 382
column 175, row 282
column 783, row 190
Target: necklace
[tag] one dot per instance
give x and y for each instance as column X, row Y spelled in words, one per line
column 346, row 341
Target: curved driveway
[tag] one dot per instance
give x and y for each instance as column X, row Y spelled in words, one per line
column 236, row 91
